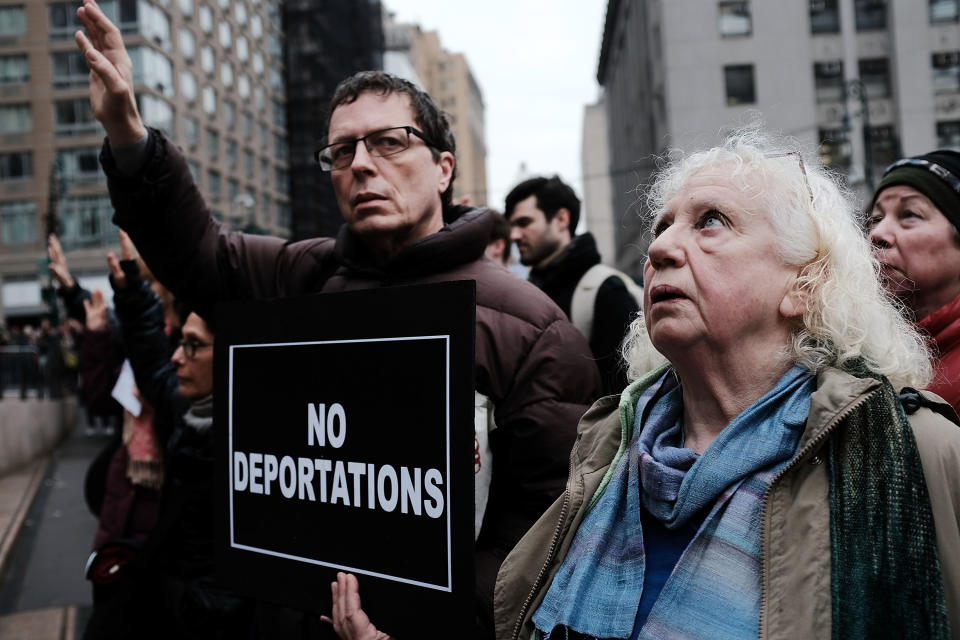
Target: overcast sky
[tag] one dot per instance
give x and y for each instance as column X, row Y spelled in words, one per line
column 536, row 63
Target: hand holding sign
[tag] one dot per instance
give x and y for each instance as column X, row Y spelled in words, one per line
column 349, row 620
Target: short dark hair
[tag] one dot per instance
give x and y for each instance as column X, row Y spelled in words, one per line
column 500, row 231
column 426, row 114
column 552, row 195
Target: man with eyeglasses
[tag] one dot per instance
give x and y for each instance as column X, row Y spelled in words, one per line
column 390, row 153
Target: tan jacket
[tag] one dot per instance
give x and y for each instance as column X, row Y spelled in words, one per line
column 796, row 532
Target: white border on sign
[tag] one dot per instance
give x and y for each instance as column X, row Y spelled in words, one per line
column 446, row 338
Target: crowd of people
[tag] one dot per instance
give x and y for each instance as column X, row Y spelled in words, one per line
column 760, row 442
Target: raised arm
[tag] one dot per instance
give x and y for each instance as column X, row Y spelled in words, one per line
column 111, row 76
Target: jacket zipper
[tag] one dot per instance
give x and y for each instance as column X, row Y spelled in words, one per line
column 551, row 551
column 812, row 445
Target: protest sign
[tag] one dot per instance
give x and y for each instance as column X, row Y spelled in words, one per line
column 348, row 446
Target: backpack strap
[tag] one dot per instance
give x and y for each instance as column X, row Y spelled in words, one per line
column 585, row 295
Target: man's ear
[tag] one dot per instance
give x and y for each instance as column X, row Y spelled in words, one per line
column 561, row 219
column 446, row 163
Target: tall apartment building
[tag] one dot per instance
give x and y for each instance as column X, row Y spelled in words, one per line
column 862, row 81
column 326, row 42
column 418, row 56
column 208, row 73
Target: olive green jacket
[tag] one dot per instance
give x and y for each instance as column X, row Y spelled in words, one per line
column 796, row 527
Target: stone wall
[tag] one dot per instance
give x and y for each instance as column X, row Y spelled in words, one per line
column 31, row 428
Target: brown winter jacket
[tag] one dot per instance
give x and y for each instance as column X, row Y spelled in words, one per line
column 536, row 368
column 796, row 529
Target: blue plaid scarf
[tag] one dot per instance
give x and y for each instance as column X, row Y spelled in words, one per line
column 597, row 590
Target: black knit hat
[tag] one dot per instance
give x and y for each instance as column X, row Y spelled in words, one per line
column 935, row 175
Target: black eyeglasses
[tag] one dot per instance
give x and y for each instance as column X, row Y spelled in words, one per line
column 382, row 143
column 932, row 167
column 190, row 347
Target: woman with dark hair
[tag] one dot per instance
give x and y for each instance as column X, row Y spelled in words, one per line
column 914, row 225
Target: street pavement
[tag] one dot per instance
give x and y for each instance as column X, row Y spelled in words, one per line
column 43, row 594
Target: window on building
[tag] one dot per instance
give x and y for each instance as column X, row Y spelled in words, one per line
column 207, row 62
column 256, row 27
column 229, row 114
column 258, row 63
column 283, row 180
column 283, row 214
column 946, row 71
column 883, row 143
column 259, row 98
column 279, row 114
column 265, row 172
column 824, row 16
column 264, row 135
column 18, row 222
column 231, row 153
column 153, row 24
column 156, row 112
column 14, row 69
column 213, row 185
column 248, row 162
column 276, row 81
column 226, row 74
column 13, row 22
column 69, row 70
column 205, row 17
column 74, row 118
column 16, row 165
column 739, row 83
column 188, row 44
column 213, row 143
column 210, row 101
column 246, row 124
column 944, row 11
column 834, row 149
column 16, row 118
column 243, row 86
column 80, row 165
column 224, row 4
column 734, row 19
column 153, row 69
column 233, row 188
column 828, row 80
column 188, row 86
column 870, row 15
column 62, row 19
column 243, row 49
column 186, row 7
column 86, row 220
column 240, row 12
column 875, row 75
column 948, row 135
column 225, row 39
column 190, row 132
column 280, row 150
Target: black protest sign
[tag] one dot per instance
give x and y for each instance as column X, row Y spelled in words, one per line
column 347, row 445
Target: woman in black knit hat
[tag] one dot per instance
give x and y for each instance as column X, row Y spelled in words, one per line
column 914, row 226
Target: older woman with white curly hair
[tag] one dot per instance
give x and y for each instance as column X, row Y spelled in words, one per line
column 775, row 479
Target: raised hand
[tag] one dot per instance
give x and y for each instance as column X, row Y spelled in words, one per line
column 58, row 262
column 96, row 308
column 127, row 252
column 111, row 76
column 348, row 619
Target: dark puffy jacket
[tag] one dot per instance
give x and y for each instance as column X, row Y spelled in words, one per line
column 530, row 361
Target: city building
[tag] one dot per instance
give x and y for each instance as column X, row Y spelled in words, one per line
column 418, row 56
column 208, row 73
column 860, row 81
column 326, row 42
column 597, row 196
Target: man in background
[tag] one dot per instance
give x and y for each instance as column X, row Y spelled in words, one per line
column 543, row 214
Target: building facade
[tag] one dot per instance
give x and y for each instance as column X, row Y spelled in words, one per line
column 419, row 57
column 326, row 42
column 208, row 73
column 861, row 82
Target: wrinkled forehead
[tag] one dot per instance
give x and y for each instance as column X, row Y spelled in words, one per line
column 723, row 185
column 370, row 111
